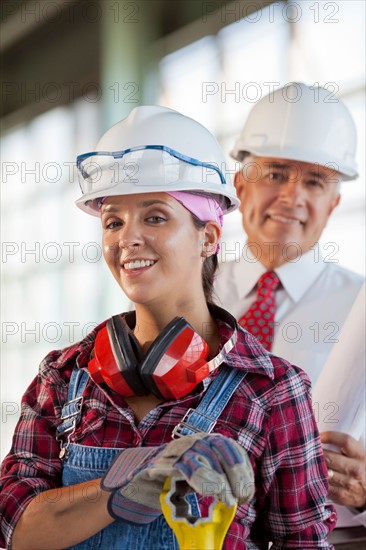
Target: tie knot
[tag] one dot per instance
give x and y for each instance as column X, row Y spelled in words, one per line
column 268, row 281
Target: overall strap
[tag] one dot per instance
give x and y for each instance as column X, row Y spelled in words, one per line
column 201, row 419
column 204, row 417
column 71, row 411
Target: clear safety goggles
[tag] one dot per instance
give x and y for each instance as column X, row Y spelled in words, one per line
column 147, row 165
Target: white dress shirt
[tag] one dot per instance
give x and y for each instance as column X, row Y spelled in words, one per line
column 311, row 307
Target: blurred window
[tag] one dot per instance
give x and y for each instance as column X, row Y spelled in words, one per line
column 55, row 286
column 218, row 79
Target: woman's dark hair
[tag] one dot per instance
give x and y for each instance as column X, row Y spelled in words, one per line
column 210, row 266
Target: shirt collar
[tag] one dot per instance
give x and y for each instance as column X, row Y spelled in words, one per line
column 80, row 351
column 296, row 277
column 247, row 353
column 248, row 271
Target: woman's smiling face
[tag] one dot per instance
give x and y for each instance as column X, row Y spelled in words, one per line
column 152, row 248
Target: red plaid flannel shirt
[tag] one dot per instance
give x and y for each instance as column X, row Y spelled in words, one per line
column 270, row 415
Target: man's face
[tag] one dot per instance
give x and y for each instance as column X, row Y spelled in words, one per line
column 285, row 201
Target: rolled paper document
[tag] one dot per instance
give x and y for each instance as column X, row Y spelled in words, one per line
column 339, row 394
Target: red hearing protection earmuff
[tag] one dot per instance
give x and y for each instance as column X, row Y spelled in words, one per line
column 174, row 365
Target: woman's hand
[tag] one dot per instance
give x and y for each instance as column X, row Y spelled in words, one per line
column 210, row 464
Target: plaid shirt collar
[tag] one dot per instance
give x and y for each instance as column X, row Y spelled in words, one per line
column 247, row 354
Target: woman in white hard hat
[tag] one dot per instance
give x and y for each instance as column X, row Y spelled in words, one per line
column 110, row 418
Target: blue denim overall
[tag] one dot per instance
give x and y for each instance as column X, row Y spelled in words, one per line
column 83, row 463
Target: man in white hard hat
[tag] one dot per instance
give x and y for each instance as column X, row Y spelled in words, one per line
column 296, row 146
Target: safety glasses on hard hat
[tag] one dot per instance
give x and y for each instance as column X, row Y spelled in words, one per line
column 146, row 165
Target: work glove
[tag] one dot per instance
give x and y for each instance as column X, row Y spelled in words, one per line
column 210, row 464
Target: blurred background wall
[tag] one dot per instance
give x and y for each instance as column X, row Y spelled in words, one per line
column 70, row 69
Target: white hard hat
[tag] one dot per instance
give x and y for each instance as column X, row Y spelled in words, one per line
column 302, row 123
column 155, row 149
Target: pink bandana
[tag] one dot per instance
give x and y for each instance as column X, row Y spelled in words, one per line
column 205, row 208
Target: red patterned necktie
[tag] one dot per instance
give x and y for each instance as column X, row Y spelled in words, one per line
column 259, row 319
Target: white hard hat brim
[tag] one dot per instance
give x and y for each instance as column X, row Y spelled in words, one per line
column 310, row 156
column 90, row 206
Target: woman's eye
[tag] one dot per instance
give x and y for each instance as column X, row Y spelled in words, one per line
column 155, row 219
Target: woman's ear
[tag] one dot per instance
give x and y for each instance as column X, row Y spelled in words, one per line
column 211, row 236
